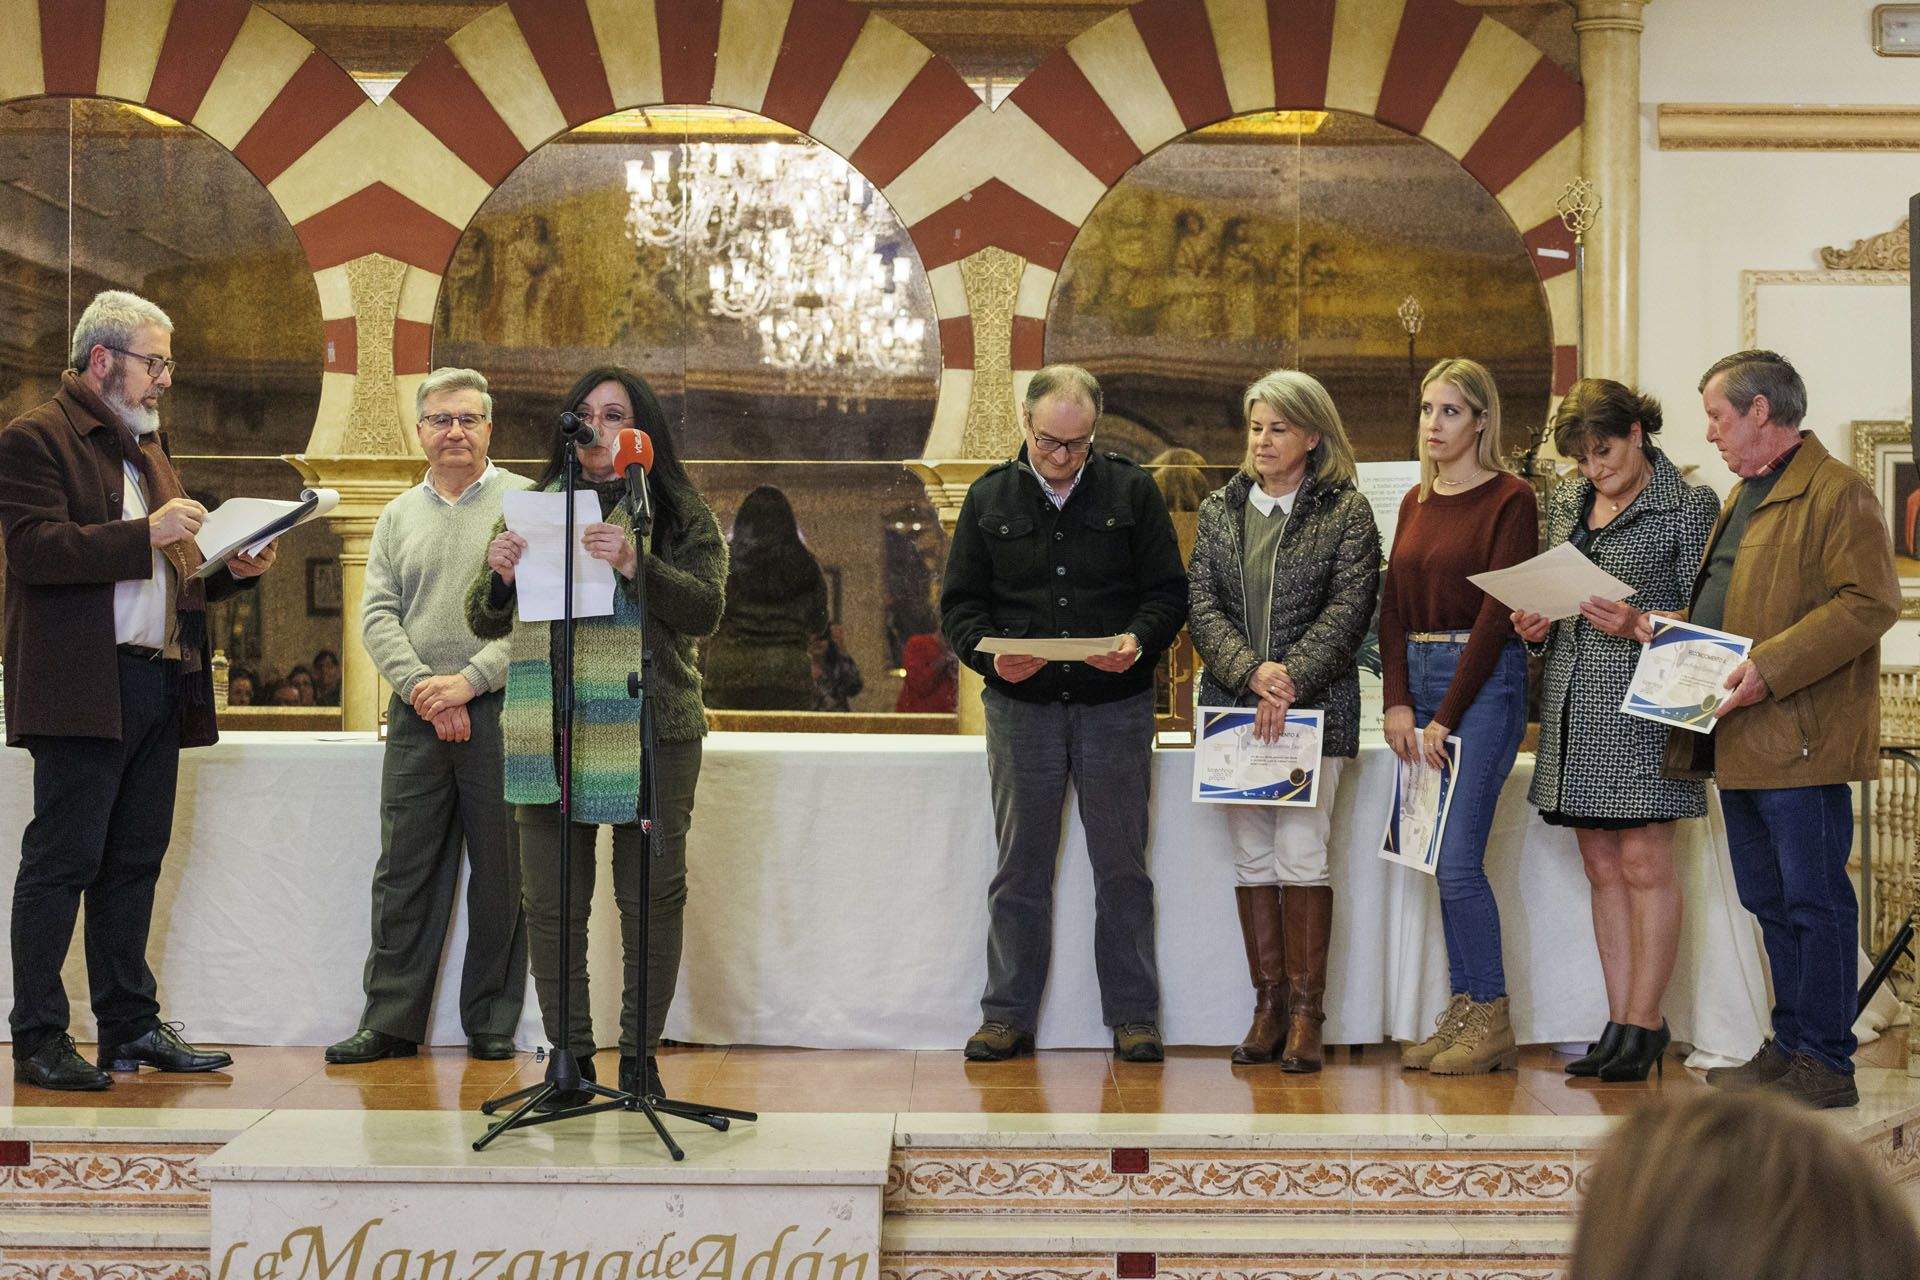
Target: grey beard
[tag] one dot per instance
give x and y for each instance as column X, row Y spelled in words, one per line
column 141, row 420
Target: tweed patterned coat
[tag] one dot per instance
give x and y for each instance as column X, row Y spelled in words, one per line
column 1594, row 762
column 1326, row 581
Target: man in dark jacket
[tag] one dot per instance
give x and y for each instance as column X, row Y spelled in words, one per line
column 107, row 677
column 1063, row 542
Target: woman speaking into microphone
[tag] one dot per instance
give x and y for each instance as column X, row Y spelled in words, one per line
column 685, row 563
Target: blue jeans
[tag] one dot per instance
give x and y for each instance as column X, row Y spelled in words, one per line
column 1789, row 848
column 1489, row 734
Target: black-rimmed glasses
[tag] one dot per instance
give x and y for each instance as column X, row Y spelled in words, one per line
column 156, row 365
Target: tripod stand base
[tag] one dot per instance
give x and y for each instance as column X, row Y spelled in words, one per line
column 526, row 1113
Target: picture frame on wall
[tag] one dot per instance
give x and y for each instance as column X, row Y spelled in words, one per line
column 323, row 587
column 1883, row 453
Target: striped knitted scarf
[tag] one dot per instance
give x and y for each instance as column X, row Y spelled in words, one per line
column 606, row 721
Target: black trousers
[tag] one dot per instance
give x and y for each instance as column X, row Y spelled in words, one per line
column 102, row 815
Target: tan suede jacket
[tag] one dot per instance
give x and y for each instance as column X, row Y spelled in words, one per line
column 1814, row 586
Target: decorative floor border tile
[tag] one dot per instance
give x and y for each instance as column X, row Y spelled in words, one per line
column 1266, row 1267
column 1041, row 1182
column 106, row 1264
column 90, row 1175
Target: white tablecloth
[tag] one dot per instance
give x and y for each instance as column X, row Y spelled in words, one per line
column 838, row 899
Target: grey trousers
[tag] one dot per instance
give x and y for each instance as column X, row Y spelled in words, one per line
column 676, row 772
column 1032, row 749
column 434, row 797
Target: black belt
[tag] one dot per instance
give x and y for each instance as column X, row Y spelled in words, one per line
column 142, row 652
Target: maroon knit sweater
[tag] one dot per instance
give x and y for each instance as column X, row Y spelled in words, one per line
column 1437, row 544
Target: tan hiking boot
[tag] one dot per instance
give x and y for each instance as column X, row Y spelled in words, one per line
column 1485, row 1042
column 1417, row 1057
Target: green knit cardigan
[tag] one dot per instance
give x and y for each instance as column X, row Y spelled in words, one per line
column 686, row 583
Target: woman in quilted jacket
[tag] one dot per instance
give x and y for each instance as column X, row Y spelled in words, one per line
column 1283, row 581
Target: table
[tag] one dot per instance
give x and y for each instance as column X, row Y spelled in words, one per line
column 838, row 899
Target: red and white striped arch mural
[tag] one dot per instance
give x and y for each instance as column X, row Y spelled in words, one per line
column 402, row 178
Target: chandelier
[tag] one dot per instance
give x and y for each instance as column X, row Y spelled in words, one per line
column 789, row 238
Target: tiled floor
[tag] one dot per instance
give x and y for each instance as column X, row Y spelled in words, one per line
column 1368, row 1081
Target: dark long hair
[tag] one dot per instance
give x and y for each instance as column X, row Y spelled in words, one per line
column 669, row 475
column 767, row 560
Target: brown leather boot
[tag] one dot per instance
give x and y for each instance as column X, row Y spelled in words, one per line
column 1307, row 912
column 1260, row 927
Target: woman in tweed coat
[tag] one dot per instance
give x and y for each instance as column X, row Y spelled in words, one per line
column 1285, row 572
column 1599, row 771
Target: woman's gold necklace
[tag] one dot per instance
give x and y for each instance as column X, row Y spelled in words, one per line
column 1443, row 482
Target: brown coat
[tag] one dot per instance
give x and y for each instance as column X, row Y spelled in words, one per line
column 60, row 499
column 1814, row 586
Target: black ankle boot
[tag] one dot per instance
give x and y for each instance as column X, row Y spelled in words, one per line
column 1640, row 1052
column 632, row 1082
column 564, row 1098
column 1600, row 1051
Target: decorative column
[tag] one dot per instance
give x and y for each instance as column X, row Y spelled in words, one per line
column 991, row 278
column 369, row 453
column 1609, row 33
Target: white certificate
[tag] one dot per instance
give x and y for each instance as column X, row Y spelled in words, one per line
column 1554, row 584
column 1062, row 649
column 1422, row 797
column 541, row 518
column 1682, row 674
column 1231, row 766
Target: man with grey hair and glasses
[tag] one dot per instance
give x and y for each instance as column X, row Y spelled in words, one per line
column 441, row 781
column 1063, row 541
column 107, row 678
column 1801, row 563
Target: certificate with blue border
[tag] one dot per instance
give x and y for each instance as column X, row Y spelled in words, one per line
column 1230, row 766
column 1417, row 819
column 1682, row 674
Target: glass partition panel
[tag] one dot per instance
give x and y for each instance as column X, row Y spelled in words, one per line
column 99, row 195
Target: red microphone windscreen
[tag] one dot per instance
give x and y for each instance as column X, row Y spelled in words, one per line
column 633, row 448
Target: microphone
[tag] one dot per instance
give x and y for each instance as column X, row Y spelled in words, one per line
column 633, row 458
column 576, row 430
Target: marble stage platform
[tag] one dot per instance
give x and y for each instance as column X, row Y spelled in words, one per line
column 1067, row 1165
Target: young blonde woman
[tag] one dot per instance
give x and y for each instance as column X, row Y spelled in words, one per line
column 1283, row 579
column 1453, row 667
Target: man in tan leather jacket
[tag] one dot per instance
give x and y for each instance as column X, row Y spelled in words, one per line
column 1802, row 563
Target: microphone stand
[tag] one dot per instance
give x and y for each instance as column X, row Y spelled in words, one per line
column 563, row 1067
column 717, row 1118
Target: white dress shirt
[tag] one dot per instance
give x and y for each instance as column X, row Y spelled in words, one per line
column 141, row 605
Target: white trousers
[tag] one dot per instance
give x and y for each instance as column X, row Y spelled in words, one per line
column 1276, row 844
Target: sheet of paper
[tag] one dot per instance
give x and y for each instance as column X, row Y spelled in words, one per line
column 248, row 524
column 1417, row 819
column 1231, row 766
column 1063, row 649
column 1682, row 674
column 541, row 518
column 1384, row 485
column 1553, row 584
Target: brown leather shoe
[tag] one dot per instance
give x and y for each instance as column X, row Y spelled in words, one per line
column 1260, row 928
column 997, row 1041
column 1763, row 1068
column 1308, row 914
column 1138, row 1042
column 1813, row 1083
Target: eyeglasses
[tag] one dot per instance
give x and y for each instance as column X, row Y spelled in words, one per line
column 445, row 421
column 1047, row 444
column 613, row 418
column 156, row 365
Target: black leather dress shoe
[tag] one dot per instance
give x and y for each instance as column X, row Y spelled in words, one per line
column 164, row 1050
column 490, row 1048
column 58, row 1065
column 368, row 1045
